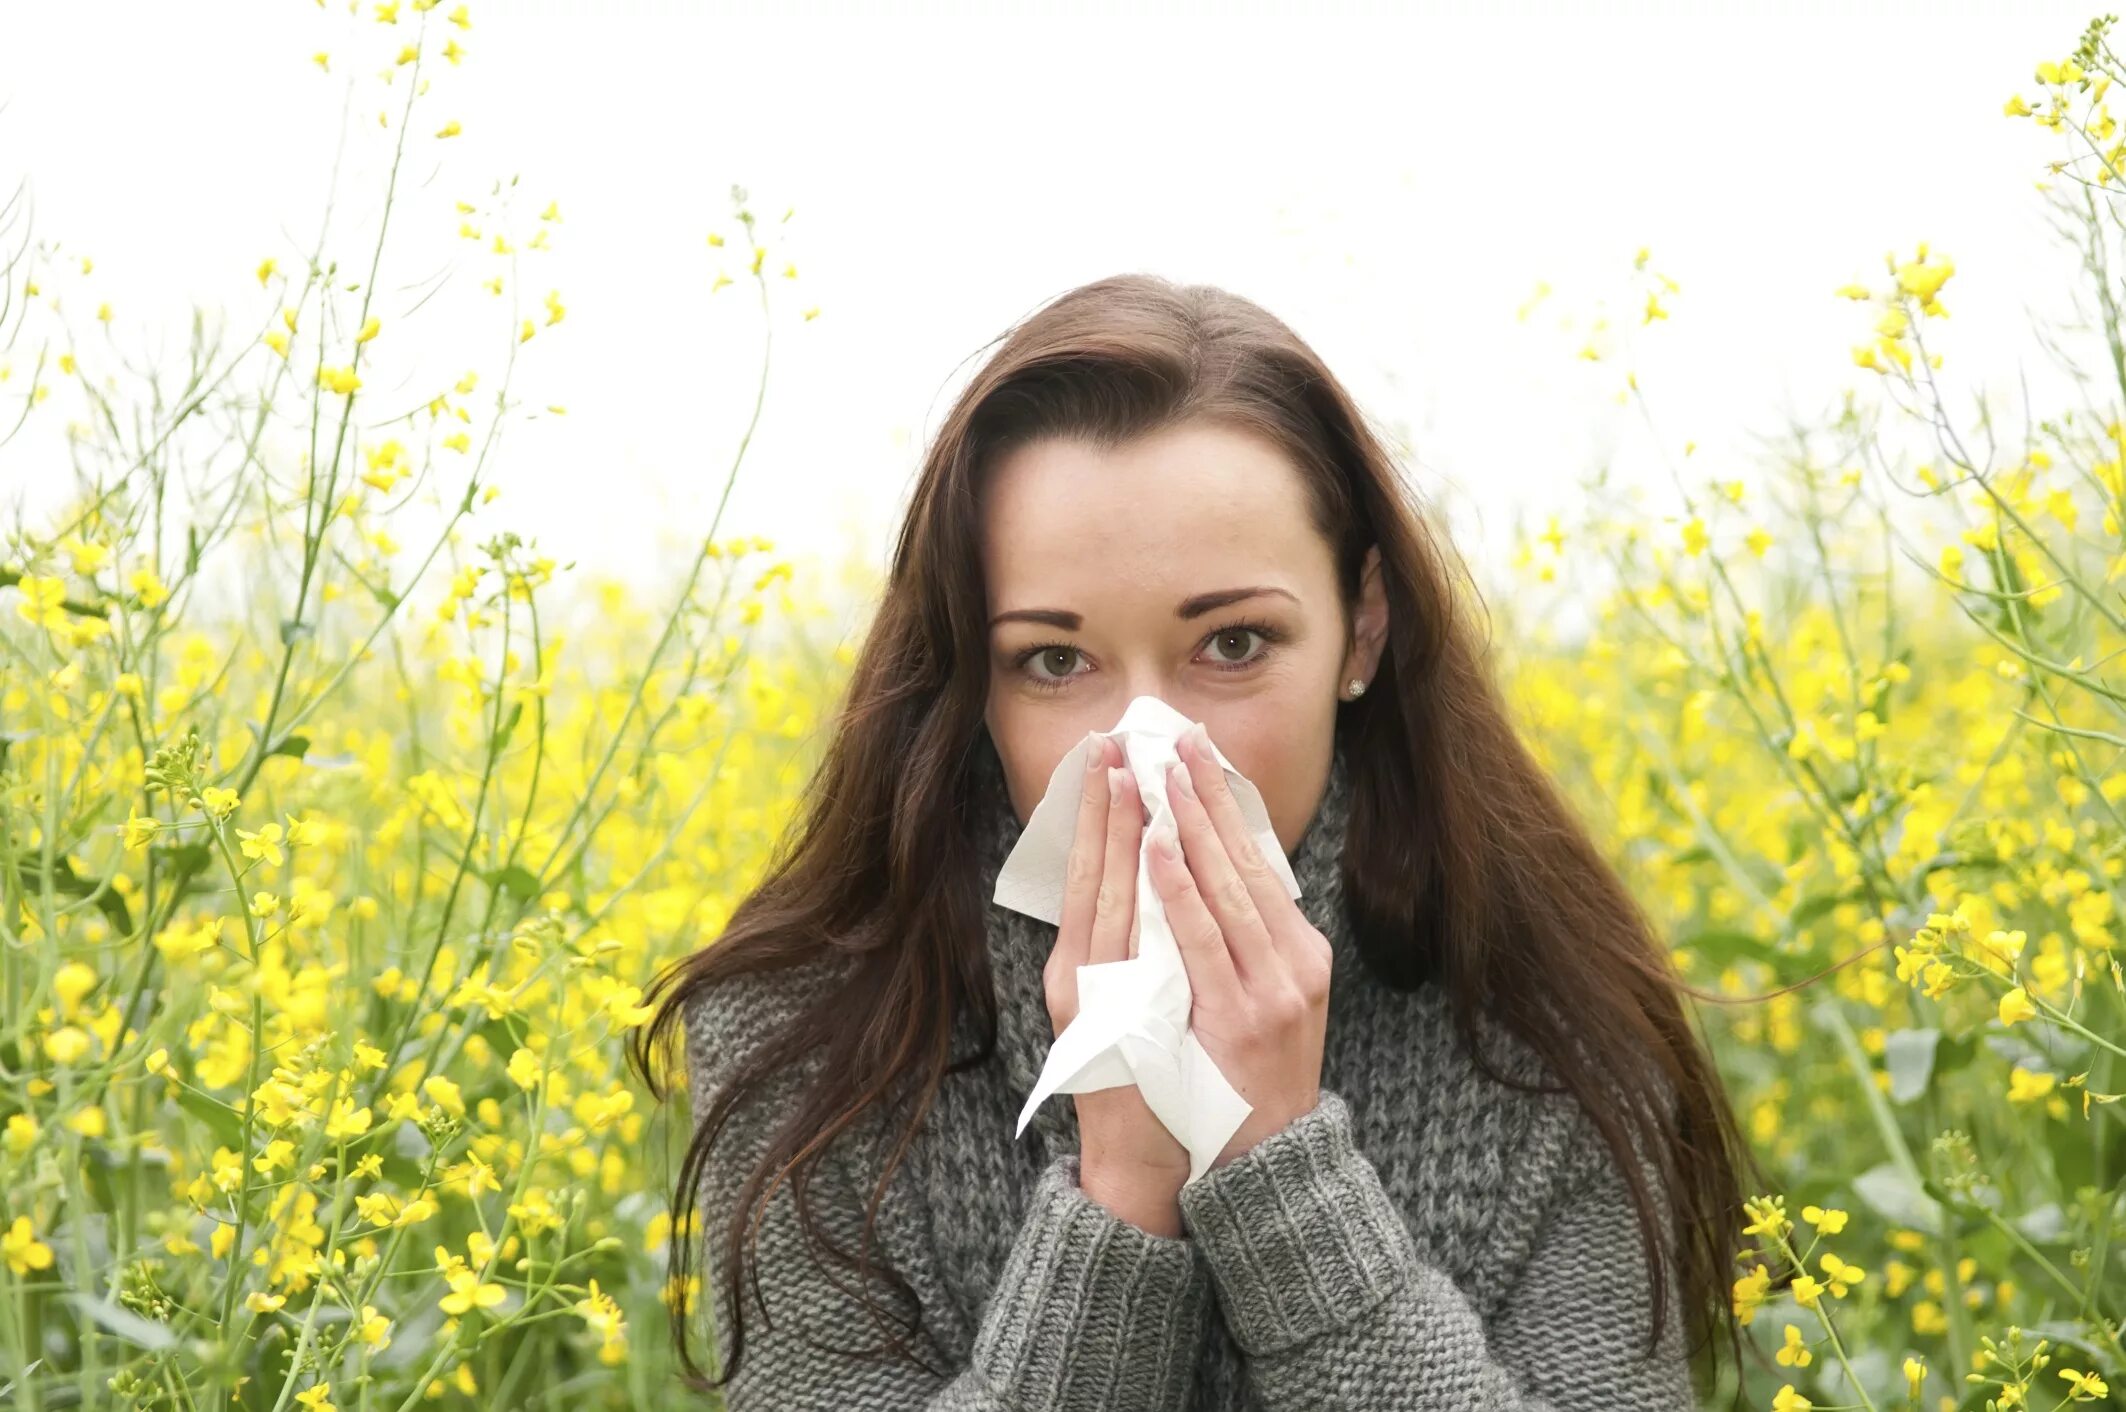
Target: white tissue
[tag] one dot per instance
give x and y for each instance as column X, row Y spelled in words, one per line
column 1132, row 1021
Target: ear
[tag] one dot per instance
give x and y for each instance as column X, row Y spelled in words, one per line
column 1369, row 623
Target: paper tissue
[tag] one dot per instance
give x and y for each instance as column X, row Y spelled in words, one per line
column 1132, row 1021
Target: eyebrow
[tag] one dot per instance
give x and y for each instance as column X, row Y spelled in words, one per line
column 1188, row 608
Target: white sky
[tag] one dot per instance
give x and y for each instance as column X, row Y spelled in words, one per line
column 1393, row 184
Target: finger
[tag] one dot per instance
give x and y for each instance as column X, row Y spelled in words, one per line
column 1225, row 892
column 1116, row 907
column 1280, row 916
column 1196, row 934
column 1081, row 880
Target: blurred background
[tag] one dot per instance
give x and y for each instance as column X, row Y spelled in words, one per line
column 1445, row 200
column 448, row 454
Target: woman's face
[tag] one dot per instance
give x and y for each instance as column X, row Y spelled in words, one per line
column 1184, row 566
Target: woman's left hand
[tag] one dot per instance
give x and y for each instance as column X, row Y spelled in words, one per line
column 1258, row 969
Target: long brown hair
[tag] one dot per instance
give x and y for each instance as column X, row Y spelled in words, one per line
column 1464, row 863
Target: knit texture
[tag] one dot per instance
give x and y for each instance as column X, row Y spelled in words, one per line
column 1424, row 1239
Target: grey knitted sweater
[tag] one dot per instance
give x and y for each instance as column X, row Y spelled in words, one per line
column 1426, row 1238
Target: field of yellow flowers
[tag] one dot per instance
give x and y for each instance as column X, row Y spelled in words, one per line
column 328, row 905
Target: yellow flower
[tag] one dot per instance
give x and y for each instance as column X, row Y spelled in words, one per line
column 139, row 829
column 1839, row 1274
column 317, row 1397
column 346, row 1120
column 66, row 1045
column 264, row 843
column 369, row 330
column 23, row 1250
column 1788, row 1400
column 1807, row 1290
column 1749, row 1293
column 259, row 1302
column 1794, row 1353
column 372, row 1328
column 524, row 1069
column 340, row 380
column 2084, row 1387
column 444, row 1094
column 449, row 129
column 1830, row 1221
column 43, row 601
column 73, row 981
column 2015, row 1006
column 2024, row 1086
column 601, row 1312
column 1767, row 1216
column 466, row 1290
column 1915, row 1375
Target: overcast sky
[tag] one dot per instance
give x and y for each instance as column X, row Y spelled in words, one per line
column 1395, row 184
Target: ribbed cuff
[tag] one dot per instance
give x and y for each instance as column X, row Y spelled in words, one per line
column 1091, row 1312
column 1299, row 1234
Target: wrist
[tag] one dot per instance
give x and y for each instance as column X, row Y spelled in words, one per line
column 1148, row 1200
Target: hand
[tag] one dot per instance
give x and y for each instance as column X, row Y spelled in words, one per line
column 1128, row 1161
column 1258, row 970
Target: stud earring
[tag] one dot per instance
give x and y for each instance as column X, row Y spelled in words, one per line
column 1357, row 688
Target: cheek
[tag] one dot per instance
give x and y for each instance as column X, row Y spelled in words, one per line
column 1031, row 748
column 1284, row 753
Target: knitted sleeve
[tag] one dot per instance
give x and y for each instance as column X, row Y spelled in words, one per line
column 1325, row 1292
column 1090, row 1314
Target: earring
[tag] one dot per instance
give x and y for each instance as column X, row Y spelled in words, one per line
column 1358, row 688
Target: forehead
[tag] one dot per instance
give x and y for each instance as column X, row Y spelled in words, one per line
column 1183, row 505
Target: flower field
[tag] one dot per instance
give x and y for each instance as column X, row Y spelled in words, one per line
column 342, row 828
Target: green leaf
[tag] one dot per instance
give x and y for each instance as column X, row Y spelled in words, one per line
column 1953, row 1054
column 1723, row 946
column 509, row 726
column 1891, row 1194
column 220, row 1118
column 1810, row 908
column 124, row 1322
column 1909, row 1056
column 515, row 880
column 294, row 746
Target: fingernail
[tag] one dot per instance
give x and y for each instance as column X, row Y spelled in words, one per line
column 1092, row 754
column 1178, row 773
column 1199, row 738
column 1165, row 844
column 1115, row 777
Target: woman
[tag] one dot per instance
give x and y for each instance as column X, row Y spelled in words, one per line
column 1486, row 1164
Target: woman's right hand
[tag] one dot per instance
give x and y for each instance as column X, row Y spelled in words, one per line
column 1128, row 1161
